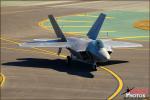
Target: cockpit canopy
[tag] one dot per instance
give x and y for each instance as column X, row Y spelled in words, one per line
column 98, row 44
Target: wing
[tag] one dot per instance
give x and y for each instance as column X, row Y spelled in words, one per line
column 45, row 43
column 120, row 44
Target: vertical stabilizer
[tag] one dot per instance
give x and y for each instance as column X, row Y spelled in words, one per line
column 56, row 28
column 94, row 31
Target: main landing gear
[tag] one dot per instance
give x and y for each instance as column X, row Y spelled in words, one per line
column 68, row 60
column 94, row 67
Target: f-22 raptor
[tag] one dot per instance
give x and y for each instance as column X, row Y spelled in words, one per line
column 90, row 50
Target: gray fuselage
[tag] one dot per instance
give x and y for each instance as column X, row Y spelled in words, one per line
column 88, row 50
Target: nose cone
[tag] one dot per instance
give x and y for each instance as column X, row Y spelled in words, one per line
column 104, row 55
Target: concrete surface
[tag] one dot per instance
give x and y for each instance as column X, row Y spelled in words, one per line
column 40, row 74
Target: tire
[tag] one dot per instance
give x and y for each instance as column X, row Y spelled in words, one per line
column 94, row 68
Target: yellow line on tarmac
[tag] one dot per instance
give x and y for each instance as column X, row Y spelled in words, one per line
column 94, row 16
column 73, row 26
column 108, row 31
column 41, row 24
column 73, row 21
column 90, row 15
column 79, row 33
column 119, row 81
column 86, row 32
column 132, row 40
column 9, row 40
column 75, row 33
column 130, row 37
column 52, row 53
column 133, row 48
column 2, row 79
column 34, row 51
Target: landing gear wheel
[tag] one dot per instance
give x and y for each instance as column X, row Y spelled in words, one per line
column 68, row 60
column 95, row 67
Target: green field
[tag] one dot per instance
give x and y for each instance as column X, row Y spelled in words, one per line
column 118, row 24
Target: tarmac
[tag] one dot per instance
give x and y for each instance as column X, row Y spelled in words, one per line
column 39, row 73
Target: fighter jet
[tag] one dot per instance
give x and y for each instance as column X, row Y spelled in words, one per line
column 90, row 50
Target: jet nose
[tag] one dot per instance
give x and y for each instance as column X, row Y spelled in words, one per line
column 105, row 54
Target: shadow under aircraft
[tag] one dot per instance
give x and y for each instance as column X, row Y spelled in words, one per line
column 76, row 67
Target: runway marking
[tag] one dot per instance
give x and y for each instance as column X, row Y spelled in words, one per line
column 131, row 40
column 108, row 17
column 9, row 40
column 86, row 32
column 2, row 79
column 52, row 53
column 72, row 26
column 78, row 33
column 77, row 21
column 84, row 35
column 132, row 37
column 89, row 15
column 119, row 81
column 41, row 24
column 32, row 51
column 133, row 48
